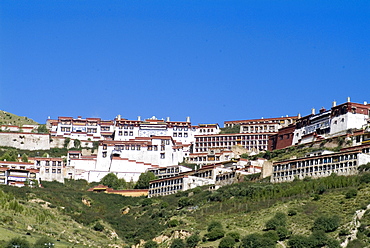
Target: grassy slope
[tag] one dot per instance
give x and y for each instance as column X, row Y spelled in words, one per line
column 39, row 218
column 148, row 218
column 12, row 119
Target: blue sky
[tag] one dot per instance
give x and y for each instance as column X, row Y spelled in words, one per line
column 210, row 60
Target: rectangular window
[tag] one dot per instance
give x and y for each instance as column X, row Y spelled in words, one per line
column 155, row 148
column 131, row 133
column 185, row 135
column 162, row 148
column 162, row 155
column 104, row 154
column 126, row 133
column 138, row 147
column 120, row 133
column 180, row 134
column 47, row 163
column 54, row 171
column 59, row 171
column 47, row 170
column 174, row 134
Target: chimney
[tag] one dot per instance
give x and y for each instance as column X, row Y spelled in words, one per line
column 188, row 119
column 139, row 118
column 334, row 103
column 313, row 111
column 168, row 119
column 348, row 99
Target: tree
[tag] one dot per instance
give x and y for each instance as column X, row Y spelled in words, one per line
column 144, row 179
column 215, row 234
column 66, row 142
column 192, row 241
column 112, row 181
column 44, row 242
column 77, row 144
column 177, row 243
column 214, row 225
column 42, row 129
column 24, row 158
column 17, row 242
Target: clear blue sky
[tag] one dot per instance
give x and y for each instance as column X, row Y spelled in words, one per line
column 210, row 60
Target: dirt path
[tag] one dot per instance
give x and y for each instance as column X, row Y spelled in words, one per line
column 354, row 225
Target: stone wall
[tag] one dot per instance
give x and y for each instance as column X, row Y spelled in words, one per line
column 25, row 141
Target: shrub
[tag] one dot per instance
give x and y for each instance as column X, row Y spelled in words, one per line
column 215, row 234
column 283, row 233
column 278, row 220
column 326, row 223
column 185, row 201
column 17, row 242
column 299, row 241
column 227, row 242
column 234, row 235
column 213, row 225
column 151, row 244
column 271, row 234
column 292, row 212
column 351, row 193
column 98, row 227
column 256, row 240
column 192, row 241
column 40, row 243
column 177, row 243
column 173, row 223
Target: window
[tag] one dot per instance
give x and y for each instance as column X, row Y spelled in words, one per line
column 150, row 148
column 126, row 133
column 54, row 163
column 47, row 170
column 59, row 171
column 180, row 134
column 120, row 133
column 59, row 163
column 138, row 147
column 104, row 154
column 131, row 133
column 155, row 148
column 162, row 155
column 162, row 148
column 132, row 147
column 104, row 147
column 174, row 134
column 47, row 163
column 53, row 170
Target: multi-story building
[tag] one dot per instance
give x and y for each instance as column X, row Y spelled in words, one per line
column 263, row 125
column 169, row 171
column 216, row 175
column 18, row 173
column 339, row 120
column 83, row 129
column 345, row 162
column 51, row 169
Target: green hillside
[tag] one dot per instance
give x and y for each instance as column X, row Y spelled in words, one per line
column 12, row 119
column 312, row 213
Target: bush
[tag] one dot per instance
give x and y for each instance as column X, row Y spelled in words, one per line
column 17, row 242
column 213, row 225
column 234, row 235
column 40, row 243
column 185, row 201
column 192, row 241
column 292, row 212
column 215, row 234
column 278, row 220
column 173, row 223
column 256, row 240
column 326, row 223
column 98, row 227
column 227, row 242
column 177, row 243
column 151, row 244
column 299, row 241
column 351, row 193
column 283, row 233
